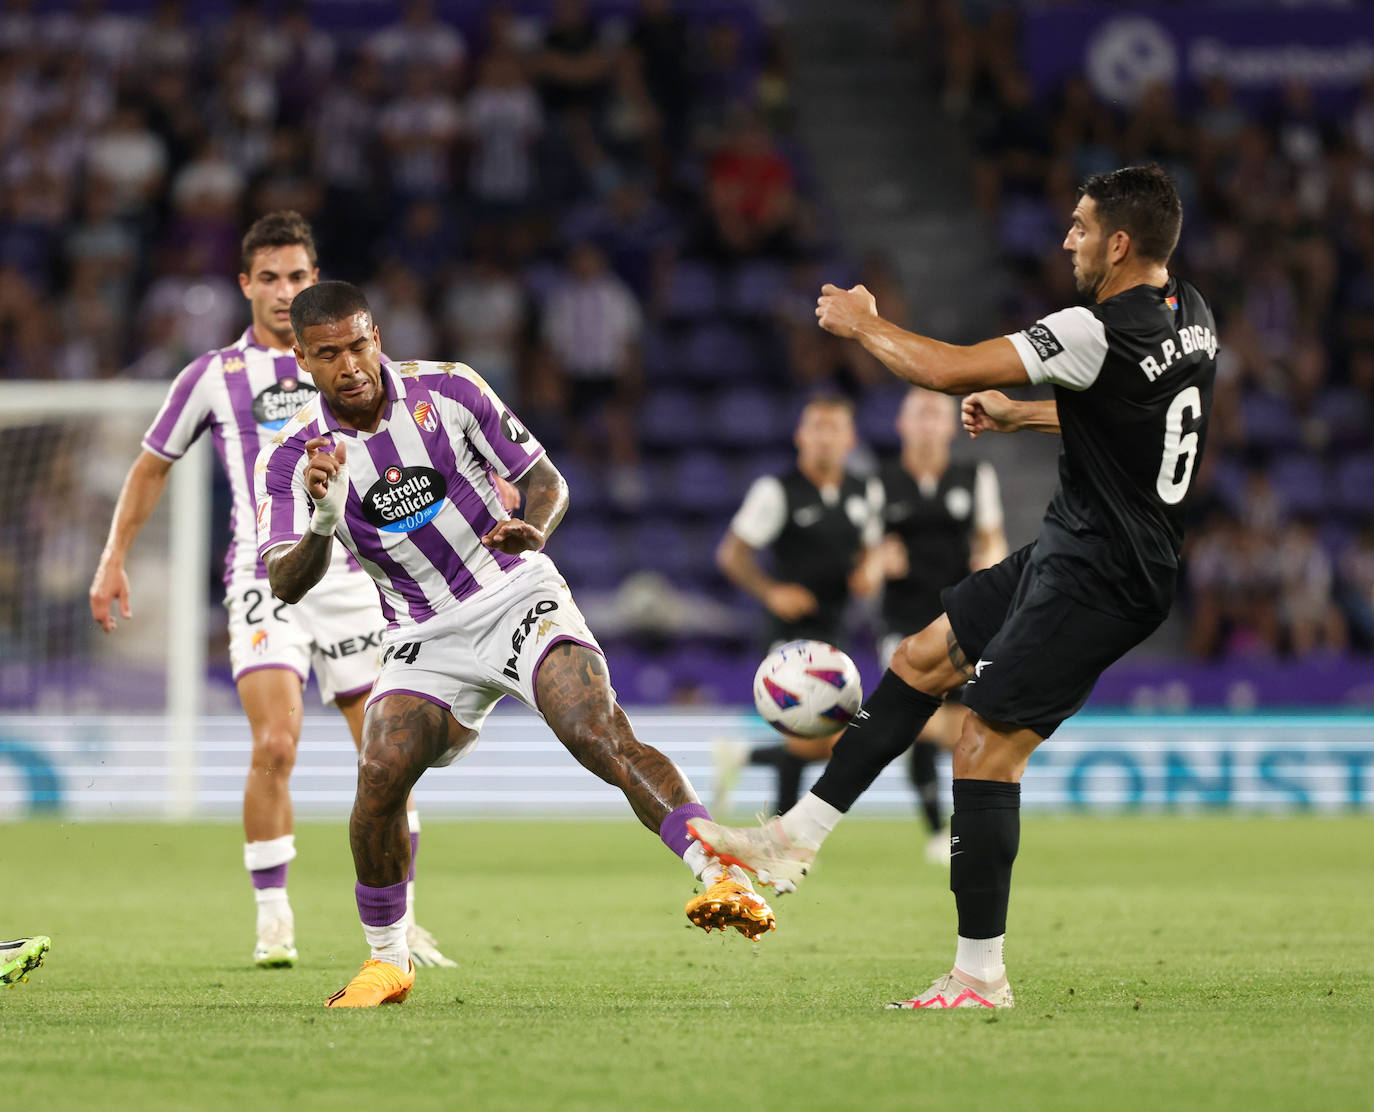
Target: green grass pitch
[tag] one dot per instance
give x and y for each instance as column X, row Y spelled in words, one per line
column 1216, row 963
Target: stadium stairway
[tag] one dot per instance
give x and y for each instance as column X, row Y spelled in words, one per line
column 894, row 173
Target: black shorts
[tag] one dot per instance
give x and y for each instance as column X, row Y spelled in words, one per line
column 1037, row 652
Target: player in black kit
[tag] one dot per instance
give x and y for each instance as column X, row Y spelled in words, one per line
column 942, row 518
column 818, row 524
column 1132, row 375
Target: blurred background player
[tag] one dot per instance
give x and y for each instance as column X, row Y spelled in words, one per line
column 942, row 520
column 20, row 956
column 243, row 394
column 820, row 526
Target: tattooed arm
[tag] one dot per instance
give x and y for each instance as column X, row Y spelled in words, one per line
column 291, row 572
column 546, row 501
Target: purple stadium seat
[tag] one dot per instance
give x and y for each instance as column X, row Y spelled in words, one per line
column 1228, row 481
column 588, row 553
column 754, row 288
column 1334, row 537
column 585, row 489
column 748, row 417
column 701, row 483
column 541, row 278
column 1269, row 422
column 779, row 461
column 661, row 544
column 1302, row 484
column 719, row 353
column 877, row 412
column 661, row 351
column 1346, row 413
column 692, row 291
column 1353, row 488
column 672, row 419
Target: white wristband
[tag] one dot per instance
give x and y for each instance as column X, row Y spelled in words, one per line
column 329, row 510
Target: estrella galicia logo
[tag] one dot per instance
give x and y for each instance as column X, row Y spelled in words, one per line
column 512, row 429
column 404, row 498
column 279, row 402
column 1045, row 342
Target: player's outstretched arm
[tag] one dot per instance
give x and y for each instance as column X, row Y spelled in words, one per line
column 739, row 563
column 546, row 501
column 993, row 411
column 292, row 571
column 143, row 487
column 947, row 368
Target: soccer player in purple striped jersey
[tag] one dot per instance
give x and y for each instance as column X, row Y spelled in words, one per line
column 394, row 460
column 243, row 394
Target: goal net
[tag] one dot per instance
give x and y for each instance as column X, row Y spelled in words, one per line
column 66, row 447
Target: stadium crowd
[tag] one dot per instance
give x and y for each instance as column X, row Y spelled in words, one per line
column 605, row 211
column 580, row 204
column 1279, row 236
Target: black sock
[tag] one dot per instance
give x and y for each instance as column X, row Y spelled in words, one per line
column 927, row 785
column 789, row 768
column 985, row 831
column 880, row 733
column 789, row 783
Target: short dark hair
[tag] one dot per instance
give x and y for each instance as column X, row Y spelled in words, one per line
column 285, row 228
column 324, row 303
column 1143, row 202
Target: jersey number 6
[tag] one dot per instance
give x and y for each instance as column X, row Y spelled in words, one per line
column 1180, row 448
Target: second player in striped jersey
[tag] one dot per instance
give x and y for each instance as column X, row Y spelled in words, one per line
column 242, row 395
column 394, row 459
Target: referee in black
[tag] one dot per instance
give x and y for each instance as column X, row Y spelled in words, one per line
column 942, row 518
column 818, row 525
column 1132, row 372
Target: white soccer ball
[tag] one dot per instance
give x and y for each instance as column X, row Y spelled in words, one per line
column 807, row 688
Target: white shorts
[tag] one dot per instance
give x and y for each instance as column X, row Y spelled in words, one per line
column 494, row 647
column 336, row 629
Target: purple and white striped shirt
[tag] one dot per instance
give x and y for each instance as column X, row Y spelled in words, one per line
column 420, row 492
column 243, row 394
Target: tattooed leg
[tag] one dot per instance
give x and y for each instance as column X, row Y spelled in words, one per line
column 402, row 736
column 574, row 692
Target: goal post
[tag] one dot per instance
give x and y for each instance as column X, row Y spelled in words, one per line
column 66, row 447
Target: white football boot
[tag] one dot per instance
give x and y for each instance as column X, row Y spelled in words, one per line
column 424, row 949
column 20, row 956
column 956, row 990
column 767, row 852
column 276, row 948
